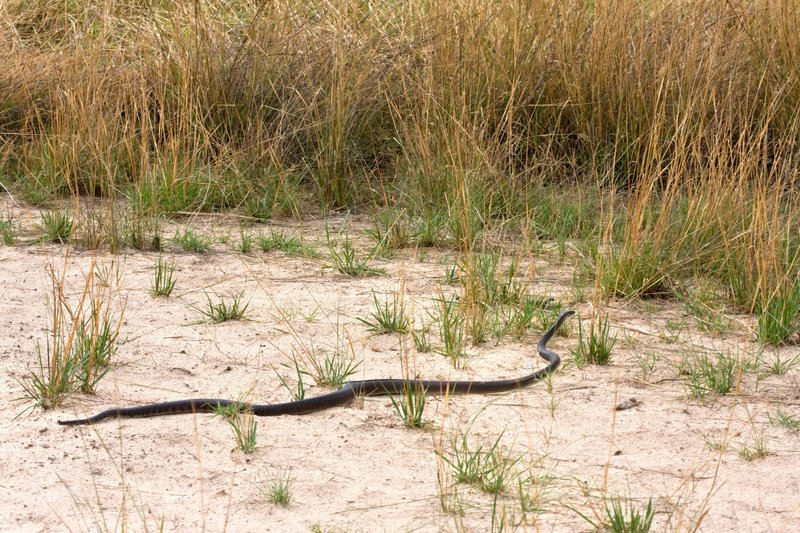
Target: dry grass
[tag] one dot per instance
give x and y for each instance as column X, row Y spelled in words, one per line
column 658, row 139
column 683, row 113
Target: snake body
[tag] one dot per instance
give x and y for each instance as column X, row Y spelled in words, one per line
column 345, row 395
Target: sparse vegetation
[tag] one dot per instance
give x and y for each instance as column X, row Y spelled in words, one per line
column 81, row 342
column 422, row 342
column 777, row 365
column 410, row 405
column 758, row 450
column 299, row 391
column 288, row 244
column 246, row 242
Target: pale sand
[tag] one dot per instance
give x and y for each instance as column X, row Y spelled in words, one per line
column 360, row 469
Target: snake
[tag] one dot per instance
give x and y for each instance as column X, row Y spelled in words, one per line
column 348, row 393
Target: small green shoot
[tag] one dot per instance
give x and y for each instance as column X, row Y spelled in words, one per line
column 784, row 420
column 451, row 274
column 716, row 445
column 299, row 391
column 647, row 363
column 780, row 367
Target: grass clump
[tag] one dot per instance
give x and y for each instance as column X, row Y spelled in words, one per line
column 278, row 489
column 758, row 450
column 778, row 366
column 422, row 341
column 634, row 271
column 390, row 230
column 288, row 244
column 56, row 226
column 246, row 242
column 277, row 196
column 163, row 281
column 490, row 470
column 451, row 329
column 410, row 405
column 345, row 261
column 779, row 319
column 529, row 313
column 224, row 310
column 190, row 241
column 627, row 519
column 331, row 369
column 243, row 424
column 299, row 390
column 388, row 318
column 7, row 230
column 713, row 375
column 595, row 347
column 622, row 517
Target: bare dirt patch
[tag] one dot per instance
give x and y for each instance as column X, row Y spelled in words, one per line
column 597, row 432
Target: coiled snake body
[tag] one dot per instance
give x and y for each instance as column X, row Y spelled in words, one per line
column 345, row 395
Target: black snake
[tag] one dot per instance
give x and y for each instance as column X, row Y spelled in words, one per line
column 351, row 390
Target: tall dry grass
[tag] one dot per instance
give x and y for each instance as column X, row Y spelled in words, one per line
column 682, row 114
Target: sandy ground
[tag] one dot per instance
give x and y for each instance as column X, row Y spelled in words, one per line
column 358, row 468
